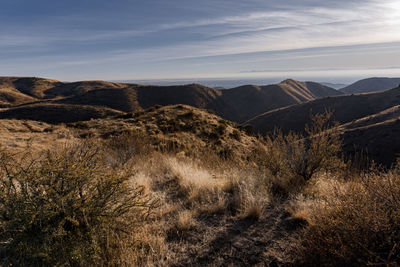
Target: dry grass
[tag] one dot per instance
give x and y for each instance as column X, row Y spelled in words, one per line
column 208, row 202
column 352, row 222
column 67, row 208
column 185, row 221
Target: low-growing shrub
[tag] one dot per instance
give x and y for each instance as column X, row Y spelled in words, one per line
column 236, row 135
column 123, row 147
column 355, row 223
column 294, row 159
column 67, row 209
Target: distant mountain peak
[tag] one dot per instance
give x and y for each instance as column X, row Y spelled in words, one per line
column 374, row 84
column 290, row 81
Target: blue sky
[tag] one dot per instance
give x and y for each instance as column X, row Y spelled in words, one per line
column 167, row 39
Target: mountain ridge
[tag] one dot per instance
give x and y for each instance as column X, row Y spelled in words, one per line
column 373, row 84
column 237, row 104
column 345, row 108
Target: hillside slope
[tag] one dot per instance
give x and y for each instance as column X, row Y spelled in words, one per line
column 346, row 108
column 251, row 100
column 237, row 104
column 374, row 136
column 10, row 97
column 371, row 85
column 56, row 113
column 122, row 99
column 176, row 128
column 31, row 86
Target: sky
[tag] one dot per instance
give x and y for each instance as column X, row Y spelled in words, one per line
column 184, row 39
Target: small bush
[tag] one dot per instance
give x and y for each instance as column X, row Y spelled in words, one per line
column 66, row 210
column 210, row 111
column 185, row 221
column 236, row 135
column 123, row 147
column 356, row 223
column 221, row 129
column 294, row 159
column 319, row 151
column 188, row 115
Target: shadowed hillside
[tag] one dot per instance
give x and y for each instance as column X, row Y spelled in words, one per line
column 371, row 85
column 346, row 108
column 251, row 100
column 195, row 95
column 32, row 86
column 56, row 113
column 376, row 136
column 122, row 99
column 10, row 97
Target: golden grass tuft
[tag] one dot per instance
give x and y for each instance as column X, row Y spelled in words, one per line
column 353, row 222
column 186, row 221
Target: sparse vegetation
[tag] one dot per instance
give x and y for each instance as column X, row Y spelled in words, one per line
column 294, row 159
column 166, row 190
column 67, row 209
column 354, row 222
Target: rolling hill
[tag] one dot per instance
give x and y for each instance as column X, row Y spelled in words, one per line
column 177, row 128
column 121, row 99
column 250, row 100
column 56, row 113
column 31, row 86
column 237, row 104
column 346, row 109
column 10, row 97
column 376, row 136
column 371, row 85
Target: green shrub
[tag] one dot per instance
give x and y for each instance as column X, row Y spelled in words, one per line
column 66, row 209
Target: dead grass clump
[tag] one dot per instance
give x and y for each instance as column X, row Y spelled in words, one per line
column 246, row 193
column 121, row 148
column 185, row 221
column 236, row 135
column 201, row 185
column 253, row 207
column 254, row 193
column 355, row 222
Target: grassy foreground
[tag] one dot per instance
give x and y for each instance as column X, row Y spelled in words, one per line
column 118, row 201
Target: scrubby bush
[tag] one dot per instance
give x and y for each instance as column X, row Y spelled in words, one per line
column 121, row 148
column 236, row 135
column 221, row 128
column 294, row 159
column 355, row 223
column 318, row 151
column 67, row 209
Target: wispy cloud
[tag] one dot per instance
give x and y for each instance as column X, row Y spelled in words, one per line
column 200, row 41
